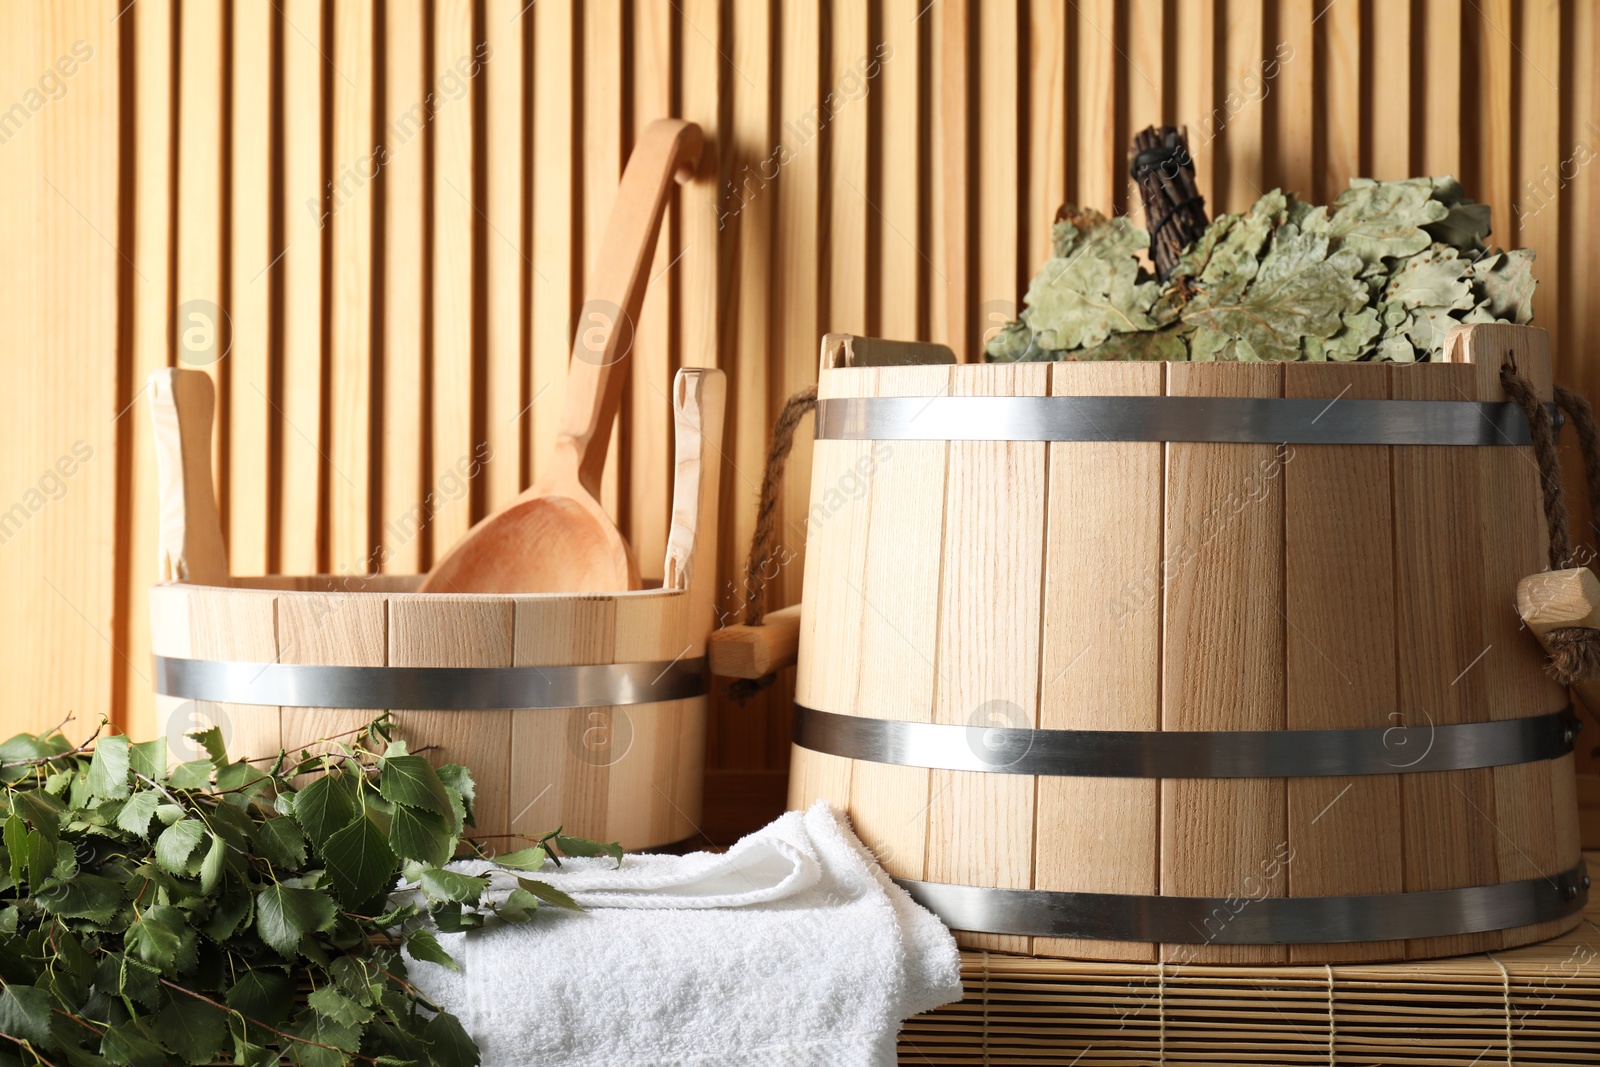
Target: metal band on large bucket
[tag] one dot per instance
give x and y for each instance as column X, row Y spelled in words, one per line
column 431, row 688
column 1188, row 753
column 1227, row 420
column 1255, row 920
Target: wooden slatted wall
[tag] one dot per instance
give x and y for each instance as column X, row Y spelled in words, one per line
column 383, row 214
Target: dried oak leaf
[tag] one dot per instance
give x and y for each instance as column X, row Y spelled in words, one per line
column 1379, row 219
column 1502, row 286
column 1093, row 288
column 1300, row 291
column 1466, row 222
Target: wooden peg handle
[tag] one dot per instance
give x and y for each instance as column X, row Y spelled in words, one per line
column 698, row 399
column 190, row 547
column 742, row 651
column 668, row 149
column 1552, row 600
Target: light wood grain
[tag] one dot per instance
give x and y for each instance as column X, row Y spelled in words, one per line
column 301, row 473
column 506, row 255
column 405, row 498
column 467, row 631
column 1223, row 655
column 182, row 410
column 1099, row 159
column 1439, row 634
column 229, row 624
column 1340, row 653
column 1392, row 72
column 1101, row 662
column 351, row 357
column 342, row 629
column 740, row 651
column 896, row 210
column 895, row 673
column 253, row 226
column 986, row 650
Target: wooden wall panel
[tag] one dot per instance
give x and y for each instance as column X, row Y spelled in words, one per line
column 879, row 166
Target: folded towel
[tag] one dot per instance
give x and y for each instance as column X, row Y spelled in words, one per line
column 791, row 948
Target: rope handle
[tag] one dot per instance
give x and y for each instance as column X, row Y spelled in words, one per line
column 1574, row 650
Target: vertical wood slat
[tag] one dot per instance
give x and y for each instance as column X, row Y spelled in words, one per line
column 1098, row 156
column 1340, row 653
column 1224, row 518
column 1389, row 123
column 604, row 110
column 251, row 232
column 950, row 182
column 200, row 331
column 302, row 475
column 999, row 166
column 990, row 577
column 505, row 257
column 404, row 502
column 895, row 210
column 1340, row 27
column 557, row 233
column 1439, row 636
column 456, row 380
column 351, row 355
column 1101, row 661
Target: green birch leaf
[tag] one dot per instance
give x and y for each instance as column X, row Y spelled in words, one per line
column 149, row 758
column 527, row 859
column 412, row 780
column 360, row 862
column 15, row 837
column 196, row 774
column 212, row 866
column 518, row 907
column 422, row 836
column 177, row 843
column 463, row 791
column 192, row 1028
column 280, row 841
column 136, row 814
column 448, row 1042
column 285, row 915
column 549, row 894
column 25, row 1013
column 325, row 807
column 41, row 810
column 440, row 885
column 423, row 945
column 157, row 936
column 261, row 995
column 211, row 740
column 127, row 1046
column 329, row 1002
column 582, row 846
column 108, row 770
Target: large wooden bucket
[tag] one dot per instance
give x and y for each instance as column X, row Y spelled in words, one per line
column 583, row 711
column 1209, row 662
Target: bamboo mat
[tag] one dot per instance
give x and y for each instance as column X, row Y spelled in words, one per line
column 1534, row 1005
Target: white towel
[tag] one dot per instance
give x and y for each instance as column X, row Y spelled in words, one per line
column 792, row 948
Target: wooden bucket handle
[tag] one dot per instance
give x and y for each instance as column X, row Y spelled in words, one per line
column 190, row 547
column 699, row 398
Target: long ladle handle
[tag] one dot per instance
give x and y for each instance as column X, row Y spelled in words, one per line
column 668, row 148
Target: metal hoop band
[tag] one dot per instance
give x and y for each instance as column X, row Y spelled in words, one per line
column 1188, row 754
column 430, row 688
column 1253, row 919
column 1242, row 420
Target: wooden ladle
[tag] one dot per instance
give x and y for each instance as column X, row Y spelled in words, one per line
column 556, row 538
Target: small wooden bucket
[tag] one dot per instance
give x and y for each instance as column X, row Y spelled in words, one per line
column 586, row 712
column 1191, row 661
